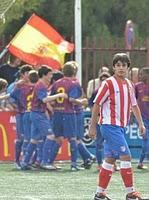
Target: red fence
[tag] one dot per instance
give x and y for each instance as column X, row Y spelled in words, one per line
column 97, row 52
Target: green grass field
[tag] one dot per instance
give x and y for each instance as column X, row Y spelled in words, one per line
column 62, row 184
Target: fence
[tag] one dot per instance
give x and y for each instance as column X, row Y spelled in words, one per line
column 97, row 52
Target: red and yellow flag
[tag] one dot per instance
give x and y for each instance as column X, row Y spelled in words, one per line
column 38, row 43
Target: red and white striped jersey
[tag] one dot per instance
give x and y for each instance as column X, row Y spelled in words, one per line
column 115, row 98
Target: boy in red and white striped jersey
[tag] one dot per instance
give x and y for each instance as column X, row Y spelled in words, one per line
column 115, row 98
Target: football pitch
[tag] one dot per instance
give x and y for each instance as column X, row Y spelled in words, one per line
column 63, row 184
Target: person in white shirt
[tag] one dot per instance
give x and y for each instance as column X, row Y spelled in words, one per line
column 94, row 84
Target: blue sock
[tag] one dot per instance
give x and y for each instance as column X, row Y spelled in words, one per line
column 99, row 155
column 54, row 152
column 99, row 146
column 29, row 152
column 48, row 145
column 39, row 151
column 24, row 147
column 34, row 157
column 142, row 156
column 74, row 152
column 84, row 153
column 18, row 149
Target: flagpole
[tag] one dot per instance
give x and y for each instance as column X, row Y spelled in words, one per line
column 78, row 38
column 5, row 50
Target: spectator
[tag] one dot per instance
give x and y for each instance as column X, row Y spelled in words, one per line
column 142, row 95
column 129, row 35
column 9, row 70
column 99, row 138
column 94, row 83
column 4, row 104
column 134, row 75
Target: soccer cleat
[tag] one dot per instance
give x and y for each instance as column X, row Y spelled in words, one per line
column 26, row 167
column 76, row 168
column 87, row 164
column 93, row 159
column 36, row 165
column 48, row 167
column 18, row 165
column 133, row 195
column 101, row 196
column 57, row 167
column 141, row 166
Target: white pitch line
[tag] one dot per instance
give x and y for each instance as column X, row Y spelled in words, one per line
column 20, row 197
column 30, row 198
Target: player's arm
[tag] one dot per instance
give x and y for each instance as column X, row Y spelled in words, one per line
column 94, row 118
column 55, row 96
column 138, row 116
column 50, row 108
column 4, row 97
column 82, row 102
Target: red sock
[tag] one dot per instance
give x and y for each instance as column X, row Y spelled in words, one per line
column 127, row 176
column 104, row 177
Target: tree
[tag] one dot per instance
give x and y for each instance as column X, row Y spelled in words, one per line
column 99, row 17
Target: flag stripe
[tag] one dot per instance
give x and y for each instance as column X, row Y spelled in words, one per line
column 34, row 59
column 47, row 30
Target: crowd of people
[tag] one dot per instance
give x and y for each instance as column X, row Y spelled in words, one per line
column 56, row 101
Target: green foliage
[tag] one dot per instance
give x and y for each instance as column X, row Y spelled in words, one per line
column 99, row 17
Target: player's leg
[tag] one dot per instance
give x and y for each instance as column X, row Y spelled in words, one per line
column 126, row 167
column 57, row 125
column 46, row 130
column 111, row 153
column 69, row 125
column 27, row 131
column 87, row 157
column 19, row 139
column 145, row 147
column 99, row 147
column 144, row 151
column 35, row 137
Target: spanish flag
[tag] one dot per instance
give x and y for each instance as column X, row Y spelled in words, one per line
column 38, row 43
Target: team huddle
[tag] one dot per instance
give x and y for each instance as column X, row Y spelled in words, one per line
column 39, row 136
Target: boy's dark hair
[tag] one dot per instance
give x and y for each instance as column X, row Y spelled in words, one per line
column 144, row 70
column 144, row 74
column 123, row 57
column 44, row 70
column 25, row 68
column 104, row 75
column 33, row 76
column 56, row 76
column 3, row 84
column 68, row 69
